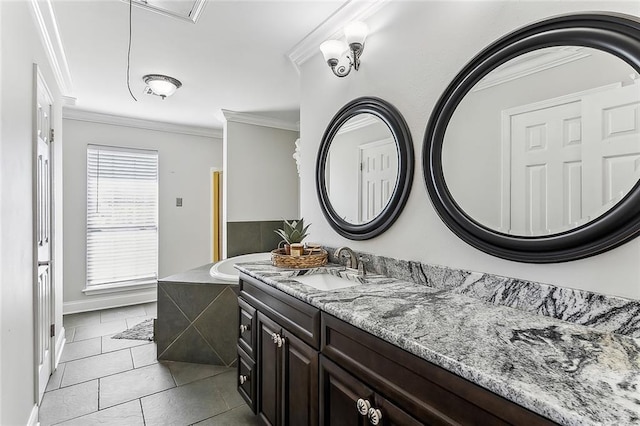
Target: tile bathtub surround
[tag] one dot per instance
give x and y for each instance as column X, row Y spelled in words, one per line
column 605, row 313
column 197, row 321
column 252, row 237
column 572, row 374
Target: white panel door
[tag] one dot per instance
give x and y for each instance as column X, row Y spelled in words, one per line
column 546, row 175
column 378, row 175
column 43, row 292
column 611, row 146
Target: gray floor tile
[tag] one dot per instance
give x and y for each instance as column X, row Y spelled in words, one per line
column 81, row 349
column 83, row 318
column 137, row 320
column 97, row 366
column 144, row 355
column 70, row 402
column 240, row 416
column 56, row 378
column 129, row 414
column 110, row 345
column 98, row 330
column 134, row 384
column 124, row 312
column 227, row 384
column 69, row 334
column 185, row 372
column 183, row 405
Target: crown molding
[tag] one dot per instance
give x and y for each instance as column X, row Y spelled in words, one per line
column 537, row 61
column 138, row 123
column 47, row 26
column 332, row 27
column 260, row 120
column 356, row 123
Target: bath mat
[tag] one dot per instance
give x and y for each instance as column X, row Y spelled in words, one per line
column 142, row 331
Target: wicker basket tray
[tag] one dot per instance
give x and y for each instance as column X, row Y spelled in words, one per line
column 308, row 260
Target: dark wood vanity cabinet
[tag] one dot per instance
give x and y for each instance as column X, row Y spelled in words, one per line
column 298, row 366
column 286, row 361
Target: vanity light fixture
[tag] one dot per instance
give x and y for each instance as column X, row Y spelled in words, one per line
column 161, row 85
column 333, row 50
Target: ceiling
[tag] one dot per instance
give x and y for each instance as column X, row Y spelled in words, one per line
column 234, row 57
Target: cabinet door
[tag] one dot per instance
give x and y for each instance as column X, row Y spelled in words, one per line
column 270, row 371
column 392, row 415
column 300, row 382
column 339, row 396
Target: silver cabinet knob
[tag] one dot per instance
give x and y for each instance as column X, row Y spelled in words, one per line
column 274, row 337
column 243, row 379
column 279, row 341
column 363, row 406
column 244, row 328
column 375, row 415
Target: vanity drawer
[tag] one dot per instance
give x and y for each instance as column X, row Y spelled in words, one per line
column 247, row 329
column 299, row 318
column 425, row 391
column 246, row 380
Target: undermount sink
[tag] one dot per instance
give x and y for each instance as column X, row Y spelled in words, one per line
column 326, row 281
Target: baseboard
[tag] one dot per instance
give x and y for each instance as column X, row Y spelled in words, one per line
column 33, row 418
column 94, row 303
column 60, row 342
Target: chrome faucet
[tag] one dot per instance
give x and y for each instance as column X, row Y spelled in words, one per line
column 352, row 260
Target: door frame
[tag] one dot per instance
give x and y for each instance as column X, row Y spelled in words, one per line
column 39, row 83
column 505, row 120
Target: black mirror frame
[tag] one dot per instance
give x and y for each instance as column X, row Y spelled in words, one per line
column 614, row 33
column 400, row 132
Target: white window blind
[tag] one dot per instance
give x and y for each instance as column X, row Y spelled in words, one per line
column 122, row 216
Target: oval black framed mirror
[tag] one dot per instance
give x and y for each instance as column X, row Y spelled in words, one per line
column 555, row 189
column 364, row 168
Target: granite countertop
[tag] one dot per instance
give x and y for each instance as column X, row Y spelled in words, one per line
column 570, row 373
column 199, row 275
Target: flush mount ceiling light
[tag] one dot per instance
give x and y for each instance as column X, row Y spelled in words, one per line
column 333, row 50
column 161, row 85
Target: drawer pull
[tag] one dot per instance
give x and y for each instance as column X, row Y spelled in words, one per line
column 375, row 415
column 243, row 379
column 363, row 406
column 244, row 327
column 277, row 339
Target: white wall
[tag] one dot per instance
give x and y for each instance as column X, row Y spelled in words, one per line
column 261, row 180
column 184, row 232
column 412, row 53
column 20, row 49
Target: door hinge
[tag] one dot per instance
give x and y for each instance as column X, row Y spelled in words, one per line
column 53, row 330
column 51, row 135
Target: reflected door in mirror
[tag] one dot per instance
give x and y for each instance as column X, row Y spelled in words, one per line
column 362, row 169
column 546, row 142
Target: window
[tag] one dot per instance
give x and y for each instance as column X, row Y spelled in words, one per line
column 122, row 216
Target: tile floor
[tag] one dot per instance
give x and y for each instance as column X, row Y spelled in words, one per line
column 108, row 381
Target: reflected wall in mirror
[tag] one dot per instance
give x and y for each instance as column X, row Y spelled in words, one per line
column 364, row 168
column 551, row 139
column 361, row 169
column 532, row 153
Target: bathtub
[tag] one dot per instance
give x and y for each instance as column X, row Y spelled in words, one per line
column 224, row 270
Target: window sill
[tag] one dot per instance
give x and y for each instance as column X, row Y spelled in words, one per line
column 118, row 288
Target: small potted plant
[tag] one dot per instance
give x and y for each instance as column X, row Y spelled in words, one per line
column 292, row 233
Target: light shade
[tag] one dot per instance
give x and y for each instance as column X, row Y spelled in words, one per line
column 162, row 85
column 356, row 32
column 333, row 49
